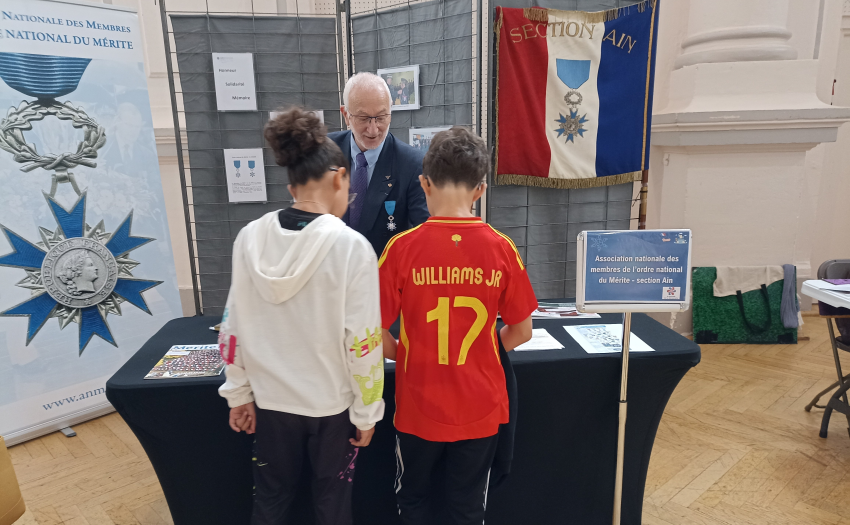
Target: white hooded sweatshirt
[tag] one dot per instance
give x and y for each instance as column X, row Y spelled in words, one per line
column 302, row 326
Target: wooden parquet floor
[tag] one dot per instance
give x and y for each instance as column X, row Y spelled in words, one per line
column 734, row 447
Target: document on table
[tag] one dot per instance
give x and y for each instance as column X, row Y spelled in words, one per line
column 559, row 311
column 605, row 339
column 833, row 285
column 540, row 340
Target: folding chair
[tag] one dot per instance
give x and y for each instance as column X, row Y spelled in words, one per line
column 835, row 269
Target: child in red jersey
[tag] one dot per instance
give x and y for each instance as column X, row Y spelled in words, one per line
column 448, row 279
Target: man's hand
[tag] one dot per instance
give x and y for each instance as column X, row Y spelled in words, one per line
column 244, row 418
column 364, row 437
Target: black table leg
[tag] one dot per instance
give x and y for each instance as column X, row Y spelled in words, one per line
column 835, row 403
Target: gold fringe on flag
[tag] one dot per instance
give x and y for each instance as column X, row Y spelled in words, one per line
column 536, row 14
column 567, row 184
column 542, row 15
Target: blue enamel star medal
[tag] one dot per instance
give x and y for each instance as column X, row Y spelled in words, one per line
column 76, row 273
column 573, row 73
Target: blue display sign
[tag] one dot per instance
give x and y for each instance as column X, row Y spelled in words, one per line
column 639, row 267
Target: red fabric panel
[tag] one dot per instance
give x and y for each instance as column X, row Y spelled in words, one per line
column 523, row 62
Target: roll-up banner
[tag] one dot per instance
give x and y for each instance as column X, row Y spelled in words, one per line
column 86, row 269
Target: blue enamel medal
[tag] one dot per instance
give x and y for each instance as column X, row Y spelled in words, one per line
column 573, row 73
column 390, row 207
column 77, row 273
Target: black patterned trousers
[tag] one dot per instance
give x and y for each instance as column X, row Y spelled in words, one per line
column 282, row 443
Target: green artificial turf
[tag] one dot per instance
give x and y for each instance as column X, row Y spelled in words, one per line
column 719, row 319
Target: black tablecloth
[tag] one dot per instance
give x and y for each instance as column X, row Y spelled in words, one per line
column 564, row 456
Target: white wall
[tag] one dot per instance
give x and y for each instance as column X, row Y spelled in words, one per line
column 830, row 163
column 747, row 151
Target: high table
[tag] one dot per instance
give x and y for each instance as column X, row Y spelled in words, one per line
column 564, row 455
column 838, row 400
column 830, row 297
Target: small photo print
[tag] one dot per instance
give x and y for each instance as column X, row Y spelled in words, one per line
column 671, row 293
column 420, row 138
column 403, row 83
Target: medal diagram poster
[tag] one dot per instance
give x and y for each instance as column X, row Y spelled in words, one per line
column 246, row 175
column 86, row 268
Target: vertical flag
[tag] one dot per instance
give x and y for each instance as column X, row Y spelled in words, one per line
column 574, row 95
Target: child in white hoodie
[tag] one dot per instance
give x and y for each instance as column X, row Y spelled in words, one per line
column 302, row 331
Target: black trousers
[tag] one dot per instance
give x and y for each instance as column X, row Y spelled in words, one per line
column 467, row 477
column 282, row 442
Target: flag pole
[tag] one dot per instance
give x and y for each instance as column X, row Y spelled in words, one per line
column 644, row 190
column 621, row 431
column 623, row 408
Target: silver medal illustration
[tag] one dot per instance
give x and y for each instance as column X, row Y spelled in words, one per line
column 77, row 273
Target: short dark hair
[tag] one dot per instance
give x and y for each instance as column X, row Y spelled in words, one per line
column 300, row 142
column 457, row 156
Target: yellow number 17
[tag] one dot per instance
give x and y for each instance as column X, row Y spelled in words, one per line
column 441, row 315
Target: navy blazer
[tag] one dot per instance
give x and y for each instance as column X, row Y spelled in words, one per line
column 395, row 178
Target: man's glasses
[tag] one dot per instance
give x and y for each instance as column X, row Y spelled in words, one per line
column 365, row 120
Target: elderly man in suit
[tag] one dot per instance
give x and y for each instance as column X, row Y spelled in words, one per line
column 385, row 171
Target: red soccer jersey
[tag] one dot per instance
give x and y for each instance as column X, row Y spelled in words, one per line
column 448, row 279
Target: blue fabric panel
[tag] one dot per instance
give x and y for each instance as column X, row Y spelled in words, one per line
column 622, row 92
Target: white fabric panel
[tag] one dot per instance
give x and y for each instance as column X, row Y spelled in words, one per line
column 576, row 158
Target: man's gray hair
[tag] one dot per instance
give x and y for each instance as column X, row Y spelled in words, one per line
column 362, row 79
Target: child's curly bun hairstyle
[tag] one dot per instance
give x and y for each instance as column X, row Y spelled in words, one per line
column 300, row 143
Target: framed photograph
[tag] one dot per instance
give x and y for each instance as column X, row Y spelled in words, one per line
column 404, row 86
column 420, row 138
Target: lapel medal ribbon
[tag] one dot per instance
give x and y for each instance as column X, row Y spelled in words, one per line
column 390, row 207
